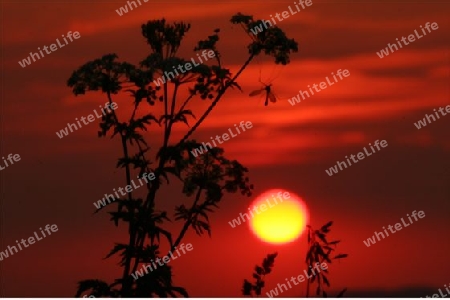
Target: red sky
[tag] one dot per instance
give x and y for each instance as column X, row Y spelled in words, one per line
column 289, row 147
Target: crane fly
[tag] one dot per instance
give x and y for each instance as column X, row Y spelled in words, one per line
column 269, row 94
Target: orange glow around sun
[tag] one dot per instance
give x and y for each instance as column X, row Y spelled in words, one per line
column 279, row 216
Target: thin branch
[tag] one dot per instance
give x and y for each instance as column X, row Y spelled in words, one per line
column 188, row 221
column 185, row 103
column 214, row 103
column 126, row 286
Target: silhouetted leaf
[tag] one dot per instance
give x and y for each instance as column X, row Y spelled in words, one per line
column 325, row 280
column 334, row 242
column 321, row 237
column 325, row 228
column 313, row 278
column 99, row 288
column 318, row 252
column 116, row 249
column 212, row 174
column 181, row 291
column 259, row 270
column 247, row 288
column 341, row 293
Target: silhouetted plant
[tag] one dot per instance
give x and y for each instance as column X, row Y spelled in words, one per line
column 205, row 178
column 319, row 251
column 249, row 289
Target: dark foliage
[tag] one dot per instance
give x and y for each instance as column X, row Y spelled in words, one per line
column 320, row 251
column 205, row 179
column 249, row 289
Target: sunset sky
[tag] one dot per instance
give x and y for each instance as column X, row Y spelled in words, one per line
column 289, row 147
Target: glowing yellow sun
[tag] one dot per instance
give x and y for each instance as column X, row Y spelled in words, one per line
column 278, row 216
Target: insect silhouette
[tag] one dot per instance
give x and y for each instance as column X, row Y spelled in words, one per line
column 269, row 93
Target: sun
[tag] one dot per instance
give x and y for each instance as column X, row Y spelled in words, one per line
column 279, row 216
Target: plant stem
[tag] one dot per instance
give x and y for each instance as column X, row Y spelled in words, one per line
column 167, row 131
column 126, row 286
column 214, row 103
column 188, row 221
